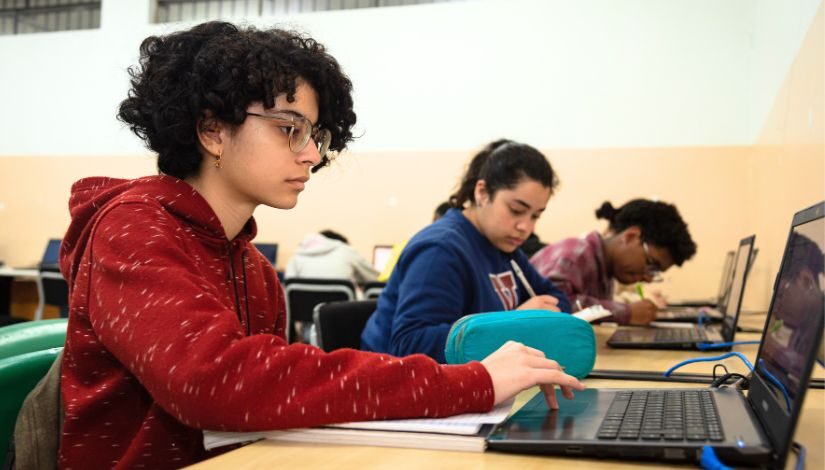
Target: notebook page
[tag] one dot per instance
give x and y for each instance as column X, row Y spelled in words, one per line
column 468, row 423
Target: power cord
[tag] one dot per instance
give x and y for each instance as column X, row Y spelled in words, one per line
column 719, row 365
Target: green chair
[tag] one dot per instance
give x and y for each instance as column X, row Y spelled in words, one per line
column 32, row 336
column 18, row 376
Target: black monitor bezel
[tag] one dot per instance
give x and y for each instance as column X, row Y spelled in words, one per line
column 729, row 331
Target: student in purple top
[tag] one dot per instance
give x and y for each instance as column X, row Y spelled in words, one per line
column 644, row 238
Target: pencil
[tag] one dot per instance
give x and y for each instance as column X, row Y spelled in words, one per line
column 640, row 291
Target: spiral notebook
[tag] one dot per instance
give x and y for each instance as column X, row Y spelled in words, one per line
column 465, row 432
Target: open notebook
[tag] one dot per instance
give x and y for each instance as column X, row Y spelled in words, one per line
column 465, row 432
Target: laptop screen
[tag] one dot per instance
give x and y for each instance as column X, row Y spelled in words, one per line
column 269, row 250
column 737, row 287
column 380, row 256
column 725, row 282
column 800, row 290
column 793, row 331
column 51, row 257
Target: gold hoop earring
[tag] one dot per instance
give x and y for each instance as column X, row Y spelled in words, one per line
column 218, row 160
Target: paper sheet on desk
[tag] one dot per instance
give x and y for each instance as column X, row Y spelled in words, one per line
column 465, row 424
column 593, row 313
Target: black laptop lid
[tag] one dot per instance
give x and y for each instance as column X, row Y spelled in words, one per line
column 793, row 331
column 733, row 304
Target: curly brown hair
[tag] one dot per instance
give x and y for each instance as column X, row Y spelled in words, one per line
column 218, row 69
column 660, row 223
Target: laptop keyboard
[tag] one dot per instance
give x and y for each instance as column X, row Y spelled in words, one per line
column 680, row 335
column 670, row 415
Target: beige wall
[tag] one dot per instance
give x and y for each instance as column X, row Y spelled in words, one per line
column 381, row 198
column 724, row 193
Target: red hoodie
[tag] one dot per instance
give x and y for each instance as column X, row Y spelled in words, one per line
column 174, row 329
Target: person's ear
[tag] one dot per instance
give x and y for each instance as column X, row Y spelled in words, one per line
column 480, row 192
column 632, row 235
column 807, row 279
column 210, row 134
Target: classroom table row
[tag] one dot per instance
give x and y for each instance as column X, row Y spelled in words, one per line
column 266, row 454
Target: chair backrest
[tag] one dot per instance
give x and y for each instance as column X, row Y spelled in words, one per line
column 303, row 294
column 18, row 376
column 55, row 288
column 339, row 324
column 372, row 290
column 32, row 336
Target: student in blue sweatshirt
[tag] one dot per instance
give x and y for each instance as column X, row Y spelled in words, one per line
column 461, row 264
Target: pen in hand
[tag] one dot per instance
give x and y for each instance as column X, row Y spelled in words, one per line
column 640, row 291
column 521, row 278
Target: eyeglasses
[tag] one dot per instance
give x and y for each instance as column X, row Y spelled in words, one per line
column 300, row 131
column 652, row 267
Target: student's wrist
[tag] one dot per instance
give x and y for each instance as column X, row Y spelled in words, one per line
column 473, row 383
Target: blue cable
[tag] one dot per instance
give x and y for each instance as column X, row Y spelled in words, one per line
column 710, row 359
column 700, row 319
column 800, row 459
column 709, row 460
column 706, row 346
column 776, row 383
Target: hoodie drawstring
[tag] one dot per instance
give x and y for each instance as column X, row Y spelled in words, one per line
column 246, row 293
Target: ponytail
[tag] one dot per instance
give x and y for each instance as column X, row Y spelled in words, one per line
column 502, row 164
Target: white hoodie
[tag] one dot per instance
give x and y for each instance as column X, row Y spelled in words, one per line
column 320, row 257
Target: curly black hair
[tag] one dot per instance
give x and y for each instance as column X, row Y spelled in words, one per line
column 217, row 69
column 502, row 164
column 659, row 222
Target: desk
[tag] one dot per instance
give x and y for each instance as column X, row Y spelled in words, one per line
column 268, row 454
column 7, row 276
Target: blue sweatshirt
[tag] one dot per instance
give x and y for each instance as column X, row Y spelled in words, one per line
column 447, row 270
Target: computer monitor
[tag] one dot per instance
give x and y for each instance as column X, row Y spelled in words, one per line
column 380, row 256
column 269, row 250
column 51, row 257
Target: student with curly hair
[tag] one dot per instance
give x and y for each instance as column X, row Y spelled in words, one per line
column 176, row 320
column 644, row 238
column 463, row 263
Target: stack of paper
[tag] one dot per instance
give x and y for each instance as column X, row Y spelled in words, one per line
column 465, row 432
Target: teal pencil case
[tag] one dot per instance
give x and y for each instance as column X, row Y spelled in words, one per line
column 568, row 340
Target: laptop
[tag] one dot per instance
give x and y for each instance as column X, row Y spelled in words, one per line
column 380, row 256
column 692, row 336
column 269, row 250
column 51, row 257
column 757, row 429
column 707, row 311
column 724, row 286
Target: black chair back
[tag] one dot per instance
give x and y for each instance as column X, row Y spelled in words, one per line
column 339, row 324
column 372, row 290
column 303, row 294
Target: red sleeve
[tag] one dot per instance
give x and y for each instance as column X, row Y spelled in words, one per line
column 162, row 320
